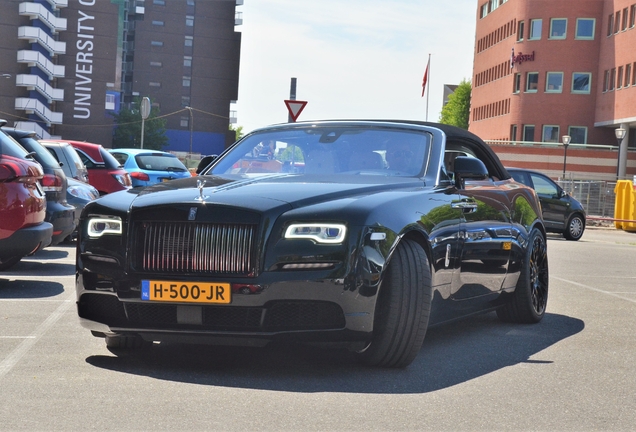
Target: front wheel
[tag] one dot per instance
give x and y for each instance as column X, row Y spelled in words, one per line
column 575, row 227
column 530, row 297
column 402, row 309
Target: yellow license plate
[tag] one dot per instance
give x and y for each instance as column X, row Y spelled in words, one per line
column 189, row 292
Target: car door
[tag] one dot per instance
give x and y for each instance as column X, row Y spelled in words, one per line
column 486, row 240
column 554, row 209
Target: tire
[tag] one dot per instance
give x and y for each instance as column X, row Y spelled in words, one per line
column 575, row 227
column 124, row 342
column 9, row 262
column 530, row 297
column 402, row 309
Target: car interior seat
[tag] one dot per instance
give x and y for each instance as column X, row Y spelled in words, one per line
column 367, row 160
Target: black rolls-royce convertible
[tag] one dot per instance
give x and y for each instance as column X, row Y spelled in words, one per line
column 357, row 232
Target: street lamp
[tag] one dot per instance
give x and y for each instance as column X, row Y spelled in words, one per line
column 620, row 134
column 566, row 143
column 191, row 125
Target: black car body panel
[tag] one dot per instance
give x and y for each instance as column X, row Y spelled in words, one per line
column 251, row 223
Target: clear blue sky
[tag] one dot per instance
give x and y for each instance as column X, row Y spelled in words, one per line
column 352, row 59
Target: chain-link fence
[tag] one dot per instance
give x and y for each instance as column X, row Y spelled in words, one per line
column 597, row 197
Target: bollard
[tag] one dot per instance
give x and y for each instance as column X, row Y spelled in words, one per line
column 624, row 206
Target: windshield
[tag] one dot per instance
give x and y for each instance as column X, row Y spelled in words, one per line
column 329, row 150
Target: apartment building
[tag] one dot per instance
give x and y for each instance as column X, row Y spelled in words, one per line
column 68, row 65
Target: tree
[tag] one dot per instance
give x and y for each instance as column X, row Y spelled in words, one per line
column 128, row 128
column 238, row 130
column 457, row 111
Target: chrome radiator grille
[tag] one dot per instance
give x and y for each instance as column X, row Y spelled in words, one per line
column 181, row 247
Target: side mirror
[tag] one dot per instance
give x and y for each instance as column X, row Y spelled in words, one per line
column 204, row 162
column 468, row 168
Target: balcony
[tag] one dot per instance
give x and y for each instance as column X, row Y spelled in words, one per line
column 40, row 132
column 34, row 82
column 238, row 18
column 37, row 35
column 58, row 4
column 38, row 11
column 41, row 61
column 34, row 106
column 233, row 118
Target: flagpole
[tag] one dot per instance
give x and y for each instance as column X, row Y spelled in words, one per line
column 428, row 91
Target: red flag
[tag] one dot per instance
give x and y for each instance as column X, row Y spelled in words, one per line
column 425, row 77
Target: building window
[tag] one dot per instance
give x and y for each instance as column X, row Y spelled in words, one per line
column 632, row 16
column 606, row 81
column 554, row 82
column 617, row 22
column 551, row 133
column 157, row 23
column 535, row 29
column 185, row 122
column 628, row 75
column 634, row 77
column 581, row 82
column 520, row 30
column 187, row 61
column 484, row 10
column 189, row 21
column 513, row 132
column 610, row 22
column 188, row 41
column 154, row 84
column 612, row 79
column 624, row 19
column 532, row 82
column 528, row 133
column 558, row 28
column 159, row 2
column 190, row 2
column 156, row 43
column 517, row 83
column 186, row 81
column 578, row 134
column 185, row 101
column 619, row 78
column 585, row 28
column 156, row 64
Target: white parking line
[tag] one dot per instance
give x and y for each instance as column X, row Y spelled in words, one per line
column 613, row 294
column 14, row 356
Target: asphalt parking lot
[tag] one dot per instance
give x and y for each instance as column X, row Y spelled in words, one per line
column 573, row 371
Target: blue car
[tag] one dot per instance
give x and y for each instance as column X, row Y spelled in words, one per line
column 148, row 167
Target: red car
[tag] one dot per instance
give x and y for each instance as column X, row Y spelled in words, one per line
column 23, row 230
column 104, row 172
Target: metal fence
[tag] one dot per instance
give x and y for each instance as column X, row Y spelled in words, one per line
column 597, row 197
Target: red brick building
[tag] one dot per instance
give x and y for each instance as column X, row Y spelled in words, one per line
column 544, row 69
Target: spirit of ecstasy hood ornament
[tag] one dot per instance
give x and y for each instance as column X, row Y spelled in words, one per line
column 200, row 185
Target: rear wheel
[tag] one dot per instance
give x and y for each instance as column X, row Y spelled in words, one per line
column 575, row 227
column 402, row 310
column 530, row 297
column 5, row 263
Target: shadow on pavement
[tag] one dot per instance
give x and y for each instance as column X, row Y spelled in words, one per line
column 451, row 355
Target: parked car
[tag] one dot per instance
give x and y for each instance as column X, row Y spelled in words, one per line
column 54, row 183
column 68, row 158
column 104, row 172
column 336, row 250
column 79, row 194
column 23, row 229
column 147, row 167
column 562, row 213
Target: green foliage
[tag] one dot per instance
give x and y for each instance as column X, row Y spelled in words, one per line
column 238, row 130
column 128, row 129
column 457, row 111
column 286, row 155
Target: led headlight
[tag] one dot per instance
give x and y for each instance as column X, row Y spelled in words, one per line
column 320, row 232
column 98, row 227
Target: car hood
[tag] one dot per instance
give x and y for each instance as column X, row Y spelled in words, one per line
column 266, row 192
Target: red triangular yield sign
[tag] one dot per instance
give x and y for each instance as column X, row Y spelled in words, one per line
column 295, row 108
